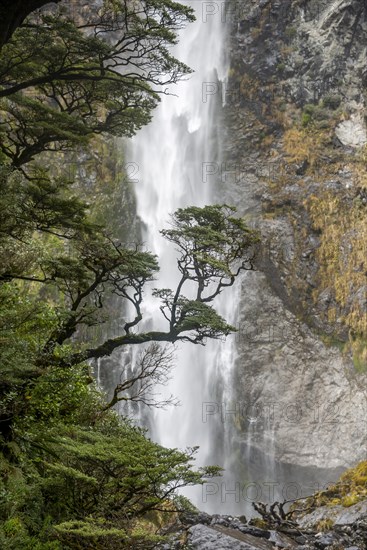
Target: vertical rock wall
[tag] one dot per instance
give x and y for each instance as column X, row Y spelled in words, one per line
column 296, row 166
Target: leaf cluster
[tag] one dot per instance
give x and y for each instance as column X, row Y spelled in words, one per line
column 73, row 80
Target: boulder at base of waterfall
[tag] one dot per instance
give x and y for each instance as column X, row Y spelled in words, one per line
column 204, row 537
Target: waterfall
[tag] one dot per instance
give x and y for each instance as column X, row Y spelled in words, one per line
column 171, row 157
column 176, row 161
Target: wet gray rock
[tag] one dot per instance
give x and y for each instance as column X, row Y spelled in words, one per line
column 352, row 514
column 353, row 131
column 234, row 533
column 203, row 537
column 282, row 541
column 338, row 514
column 326, row 539
column 193, row 518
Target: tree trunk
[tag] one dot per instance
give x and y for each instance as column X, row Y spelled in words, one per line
column 13, row 13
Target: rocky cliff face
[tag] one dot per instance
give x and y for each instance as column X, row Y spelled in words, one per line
column 295, row 164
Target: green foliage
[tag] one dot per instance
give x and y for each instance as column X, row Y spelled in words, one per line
column 214, row 247
column 88, row 534
column 331, row 101
column 341, row 273
column 357, row 345
column 193, row 315
column 24, row 323
column 118, row 471
column 213, row 236
column 306, row 119
column 183, row 504
column 60, row 394
column 90, row 486
column 320, row 115
column 71, row 82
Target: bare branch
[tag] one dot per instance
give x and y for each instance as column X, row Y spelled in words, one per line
column 153, row 368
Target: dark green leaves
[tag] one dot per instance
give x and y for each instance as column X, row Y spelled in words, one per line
column 201, row 320
column 64, row 80
column 214, row 246
column 210, row 240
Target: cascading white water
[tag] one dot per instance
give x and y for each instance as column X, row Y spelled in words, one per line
column 170, row 157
